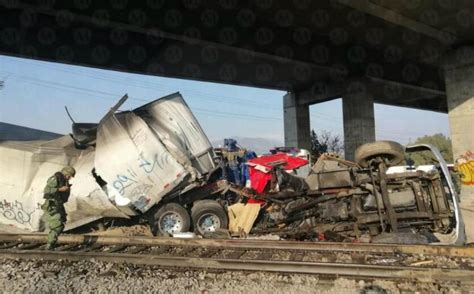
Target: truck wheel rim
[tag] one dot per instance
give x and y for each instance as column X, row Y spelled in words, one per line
column 209, row 223
column 171, row 223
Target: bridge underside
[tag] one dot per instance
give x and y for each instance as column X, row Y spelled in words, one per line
column 288, row 45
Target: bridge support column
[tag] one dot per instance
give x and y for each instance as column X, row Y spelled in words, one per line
column 459, row 76
column 296, row 122
column 359, row 123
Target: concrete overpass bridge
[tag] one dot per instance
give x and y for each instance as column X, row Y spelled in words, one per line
column 411, row 53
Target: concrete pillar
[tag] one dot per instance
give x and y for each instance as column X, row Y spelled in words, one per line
column 459, row 77
column 297, row 124
column 359, row 123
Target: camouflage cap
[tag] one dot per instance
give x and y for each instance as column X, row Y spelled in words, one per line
column 68, row 171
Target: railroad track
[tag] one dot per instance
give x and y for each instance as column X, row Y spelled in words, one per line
column 417, row 262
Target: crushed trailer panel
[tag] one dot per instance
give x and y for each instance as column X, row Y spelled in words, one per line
column 141, row 155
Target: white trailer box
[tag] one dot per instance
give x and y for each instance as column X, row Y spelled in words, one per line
column 143, row 155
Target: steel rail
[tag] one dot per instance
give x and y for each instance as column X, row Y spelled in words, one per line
column 435, row 250
column 161, row 252
column 330, row 269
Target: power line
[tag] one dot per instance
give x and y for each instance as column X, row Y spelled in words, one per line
column 60, row 86
column 76, row 89
column 378, row 129
column 209, row 96
column 239, row 114
column 143, row 84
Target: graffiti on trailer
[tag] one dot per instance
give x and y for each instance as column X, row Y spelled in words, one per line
column 124, row 180
column 141, row 190
column 140, row 193
column 465, row 166
column 158, row 161
column 16, row 212
column 128, row 178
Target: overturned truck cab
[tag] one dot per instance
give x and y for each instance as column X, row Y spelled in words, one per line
column 370, row 200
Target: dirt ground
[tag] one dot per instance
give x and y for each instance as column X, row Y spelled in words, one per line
column 136, row 230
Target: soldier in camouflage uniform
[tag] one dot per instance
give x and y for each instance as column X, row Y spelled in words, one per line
column 56, row 193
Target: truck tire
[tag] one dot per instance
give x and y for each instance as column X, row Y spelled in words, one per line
column 392, row 151
column 208, row 216
column 171, row 218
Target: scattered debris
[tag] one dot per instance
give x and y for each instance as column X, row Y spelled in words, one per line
column 425, row 262
column 218, row 234
column 136, row 230
column 341, row 201
column 242, row 217
column 155, row 163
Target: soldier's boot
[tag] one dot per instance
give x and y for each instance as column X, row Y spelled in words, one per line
column 50, row 246
column 53, row 237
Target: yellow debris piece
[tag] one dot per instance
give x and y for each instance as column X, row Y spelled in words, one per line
column 242, row 216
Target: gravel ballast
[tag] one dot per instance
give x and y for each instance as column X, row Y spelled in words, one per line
column 37, row 276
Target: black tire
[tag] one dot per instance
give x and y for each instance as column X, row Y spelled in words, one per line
column 163, row 220
column 210, row 212
column 393, row 152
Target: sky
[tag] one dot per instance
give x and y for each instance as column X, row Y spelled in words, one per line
column 35, row 93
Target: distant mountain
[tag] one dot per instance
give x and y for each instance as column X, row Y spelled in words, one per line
column 259, row 145
column 10, row 132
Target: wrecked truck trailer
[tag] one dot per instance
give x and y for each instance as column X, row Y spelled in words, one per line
column 153, row 161
column 359, row 201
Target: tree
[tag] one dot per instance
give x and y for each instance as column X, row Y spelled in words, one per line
column 439, row 141
column 325, row 142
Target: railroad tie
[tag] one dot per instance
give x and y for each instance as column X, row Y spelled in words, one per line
column 160, row 250
column 236, row 254
column 297, row 256
column 94, row 247
column 137, row 249
column 209, row 253
column 116, row 248
column 10, row 245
